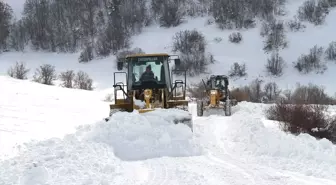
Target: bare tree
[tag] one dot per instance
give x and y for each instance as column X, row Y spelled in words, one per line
column 87, row 54
column 37, row 17
column 5, row 21
column 272, row 91
column 331, row 52
column 256, row 92
column 191, row 46
column 172, row 13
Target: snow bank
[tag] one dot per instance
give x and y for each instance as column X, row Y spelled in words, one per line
column 135, row 136
column 93, row 153
column 247, row 135
column 61, row 162
column 30, row 110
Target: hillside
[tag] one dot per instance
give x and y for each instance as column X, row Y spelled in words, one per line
column 31, row 111
column 249, row 51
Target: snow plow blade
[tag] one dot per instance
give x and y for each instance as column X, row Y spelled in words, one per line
column 175, row 116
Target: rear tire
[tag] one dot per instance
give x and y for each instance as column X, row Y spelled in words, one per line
column 200, row 108
column 227, row 108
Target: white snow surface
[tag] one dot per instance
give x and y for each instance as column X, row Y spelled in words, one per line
column 30, row 111
column 55, row 136
column 149, row 148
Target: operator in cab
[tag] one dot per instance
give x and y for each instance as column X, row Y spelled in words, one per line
column 148, row 74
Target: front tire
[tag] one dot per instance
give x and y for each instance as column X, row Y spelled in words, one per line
column 227, row 108
column 200, row 108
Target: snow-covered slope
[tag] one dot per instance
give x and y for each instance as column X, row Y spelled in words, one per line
column 157, row 39
column 147, row 149
column 34, row 111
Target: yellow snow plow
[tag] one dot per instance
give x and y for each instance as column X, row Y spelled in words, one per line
column 149, row 86
column 216, row 96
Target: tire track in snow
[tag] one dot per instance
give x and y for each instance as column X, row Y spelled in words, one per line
column 211, row 156
column 259, row 174
column 256, row 173
column 160, row 173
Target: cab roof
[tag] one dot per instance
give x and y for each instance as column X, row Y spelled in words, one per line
column 148, row 55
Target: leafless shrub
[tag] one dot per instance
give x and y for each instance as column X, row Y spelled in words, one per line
column 218, row 39
column 19, row 71
column 196, row 90
column 235, row 37
column 274, row 31
column 46, row 74
column 275, row 64
column 313, row 12
column 311, row 94
column 238, row 70
column 295, row 25
column 67, row 78
column 301, row 118
column 240, row 94
column 311, row 62
column 83, row 81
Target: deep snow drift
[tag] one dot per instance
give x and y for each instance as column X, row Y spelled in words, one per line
column 93, row 154
column 135, row 136
column 35, row 111
column 135, row 148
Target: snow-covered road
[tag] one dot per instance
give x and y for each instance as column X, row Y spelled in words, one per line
column 147, row 149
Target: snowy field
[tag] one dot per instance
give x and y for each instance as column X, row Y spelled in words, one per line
column 146, row 149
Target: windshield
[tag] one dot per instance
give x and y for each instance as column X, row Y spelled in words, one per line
column 218, row 83
column 147, row 69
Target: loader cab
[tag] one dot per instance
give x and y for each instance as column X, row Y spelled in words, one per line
column 218, row 82
column 148, row 71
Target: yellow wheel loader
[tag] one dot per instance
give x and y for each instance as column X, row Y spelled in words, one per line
column 216, row 96
column 149, row 86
